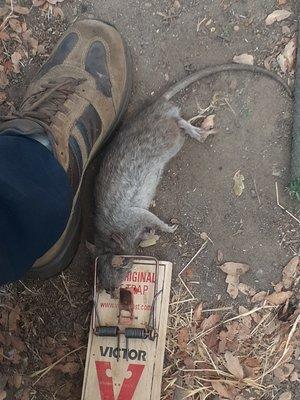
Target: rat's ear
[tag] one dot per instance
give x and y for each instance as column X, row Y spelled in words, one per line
column 118, row 238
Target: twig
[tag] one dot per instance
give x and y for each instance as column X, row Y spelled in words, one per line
column 2, row 26
column 199, row 23
column 27, row 288
column 63, row 294
column 210, row 357
column 45, row 371
column 283, row 208
column 67, row 289
column 230, row 107
column 292, row 331
column 201, row 334
column 256, row 191
column 187, row 265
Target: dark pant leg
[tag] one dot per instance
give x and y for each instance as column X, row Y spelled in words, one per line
column 35, row 203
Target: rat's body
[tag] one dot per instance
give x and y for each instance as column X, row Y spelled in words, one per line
column 130, row 171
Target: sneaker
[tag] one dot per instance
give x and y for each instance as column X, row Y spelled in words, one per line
column 73, row 106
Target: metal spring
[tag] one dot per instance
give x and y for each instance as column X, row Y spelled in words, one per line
column 107, row 331
column 136, row 333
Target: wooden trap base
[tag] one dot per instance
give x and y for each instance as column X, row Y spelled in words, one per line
column 120, row 369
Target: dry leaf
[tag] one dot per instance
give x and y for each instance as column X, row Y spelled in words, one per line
column 271, row 327
column 245, row 289
column 15, row 37
column 208, row 122
column 4, row 36
column 289, row 272
column 17, row 380
column 287, row 58
column 294, row 376
column 284, row 371
column 233, row 271
column 13, row 318
column 15, row 59
column 243, row 310
column 151, row 240
column 24, row 26
column 278, row 287
column 233, row 268
column 232, row 290
column 189, row 273
column 279, row 298
column 252, row 362
column 38, row 3
column 41, row 49
column 233, row 279
column 15, row 25
column 2, row 394
column 58, row 12
column 189, row 362
column 239, row 186
column 258, row 297
column 285, row 396
column 21, row 10
column 26, row 394
column 277, row 15
column 198, row 312
column 249, row 372
column 17, row 343
column 69, row 368
column 3, row 11
column 233, row 365
column 3, row 97
column 220, row 389
column 212, row 340
column 244, row 59
column 182, row 338
column 211, row 321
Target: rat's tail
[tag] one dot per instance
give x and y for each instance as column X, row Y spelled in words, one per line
column 209, row 71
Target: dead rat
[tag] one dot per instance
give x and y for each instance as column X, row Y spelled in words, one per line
column 130, row 171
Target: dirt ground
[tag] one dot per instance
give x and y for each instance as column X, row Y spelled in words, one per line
column 253, row 120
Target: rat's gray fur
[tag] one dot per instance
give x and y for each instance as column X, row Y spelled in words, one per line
column 129, row 173
column 131, row 168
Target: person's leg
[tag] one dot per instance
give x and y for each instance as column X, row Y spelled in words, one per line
column 35, row 203
column 72, row 106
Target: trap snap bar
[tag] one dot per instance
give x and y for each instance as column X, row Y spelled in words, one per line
column 127, row 335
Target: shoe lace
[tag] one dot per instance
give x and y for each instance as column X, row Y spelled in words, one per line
column 41, row 106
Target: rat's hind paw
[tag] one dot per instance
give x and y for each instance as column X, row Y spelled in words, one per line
column 171, row 228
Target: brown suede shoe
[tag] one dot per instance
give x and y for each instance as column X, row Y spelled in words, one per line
column 78, row 98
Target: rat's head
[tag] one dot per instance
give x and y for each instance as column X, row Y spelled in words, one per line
column 112, row 271
column 112, row 268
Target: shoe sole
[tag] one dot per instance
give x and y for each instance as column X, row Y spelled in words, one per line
column 65, row 249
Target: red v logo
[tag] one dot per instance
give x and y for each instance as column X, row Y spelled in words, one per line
column 128, row 386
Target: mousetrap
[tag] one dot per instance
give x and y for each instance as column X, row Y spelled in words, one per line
column 127, row 335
